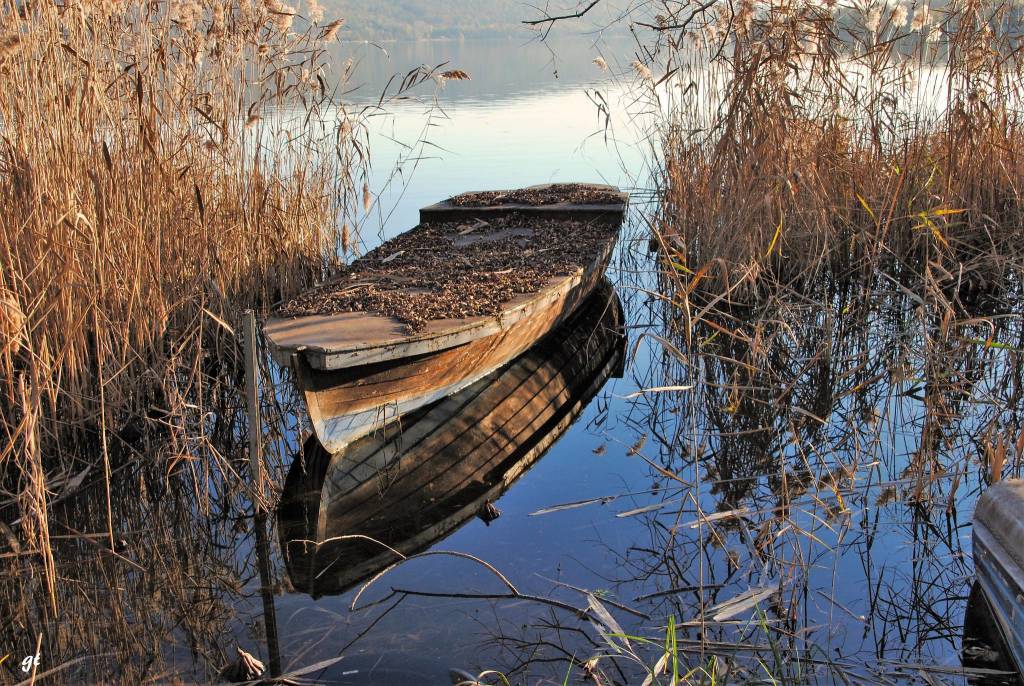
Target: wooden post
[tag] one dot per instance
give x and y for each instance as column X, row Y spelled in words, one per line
column 256, row 471
column 252, row 390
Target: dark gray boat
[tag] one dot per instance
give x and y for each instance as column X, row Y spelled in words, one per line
column 999, row 560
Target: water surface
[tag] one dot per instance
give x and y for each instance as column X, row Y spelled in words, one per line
column 796, row 495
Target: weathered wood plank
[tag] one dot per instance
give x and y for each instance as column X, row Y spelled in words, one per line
column 443, row 470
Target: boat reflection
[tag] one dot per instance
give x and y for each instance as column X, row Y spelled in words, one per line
column 419, row 478
column 985, row 654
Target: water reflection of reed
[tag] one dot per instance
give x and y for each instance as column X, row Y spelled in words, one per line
column 164, row 585
column 170, row 584
column 824, row 447
column 814, row 455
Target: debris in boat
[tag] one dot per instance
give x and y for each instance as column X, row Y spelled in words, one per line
column 245, row 668
column 554, row 194
column 442, row 271
column 506, row 236
column 488, row 512
column 479, row 223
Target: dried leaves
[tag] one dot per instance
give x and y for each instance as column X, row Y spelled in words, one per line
column 553, row 194
column 437, row 271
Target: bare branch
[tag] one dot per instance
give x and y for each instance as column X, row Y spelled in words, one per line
column 552, row 20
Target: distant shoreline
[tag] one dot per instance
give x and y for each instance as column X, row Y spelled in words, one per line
column 526, row 35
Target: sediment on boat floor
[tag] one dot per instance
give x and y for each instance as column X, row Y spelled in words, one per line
column 554, row 194
column 449, row 270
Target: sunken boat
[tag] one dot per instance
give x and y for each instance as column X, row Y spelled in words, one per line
column 998, row 542
column 481, row 279
column 417, row 480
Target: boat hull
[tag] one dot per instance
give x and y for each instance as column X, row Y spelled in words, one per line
column 344, row 404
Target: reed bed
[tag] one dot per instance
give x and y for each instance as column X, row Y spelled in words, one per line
column 800, row 137
column 832, row 302
column 811, row 464
column 162, row 166
column 824, row 449
column 838, row 246
column 838, row 239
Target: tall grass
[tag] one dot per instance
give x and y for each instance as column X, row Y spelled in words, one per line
column 806, row 135
column 162, row 166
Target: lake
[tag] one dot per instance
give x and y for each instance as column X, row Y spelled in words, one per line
column 673, row 501
column 782, row 491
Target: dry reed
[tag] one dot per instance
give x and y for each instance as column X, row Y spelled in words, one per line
column 162, row 166
column 803, row 136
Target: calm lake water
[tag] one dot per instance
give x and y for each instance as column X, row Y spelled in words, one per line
column 528, row 115
column 810, row 485
column 763, row 498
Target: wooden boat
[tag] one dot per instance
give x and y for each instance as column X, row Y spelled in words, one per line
column 414, row 482
column 998, row 541
column 502, row 202
column 358, row 370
